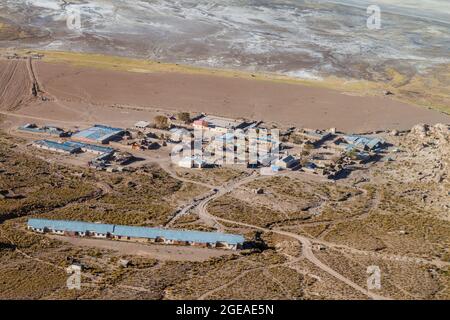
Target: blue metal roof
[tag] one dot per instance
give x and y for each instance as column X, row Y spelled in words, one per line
column 90, row 147
column 348, row 147
column 373, row 143
column 177, row 235
column 310, row 165
column 137, row 232
column 74, row 226
column 57, row 145
column 98, row 133
column 288, row 159
column 368, row 142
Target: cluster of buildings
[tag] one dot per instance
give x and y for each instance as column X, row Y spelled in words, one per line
column 230, row 141
column 332, row 153
column 140, row 137
column 92, row 140
column 137, row 234
column 220, row 125
column 222, row 141
column 362, row 143
column 50, row 130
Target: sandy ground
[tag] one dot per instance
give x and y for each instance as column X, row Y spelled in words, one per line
column 15, row 84
column 159, row 252
column 82, row 96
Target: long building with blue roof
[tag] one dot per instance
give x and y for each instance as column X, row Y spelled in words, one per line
column 72, row 147
column 80, row 228
column 62, row 147
column 133, row 233
column 92, row 148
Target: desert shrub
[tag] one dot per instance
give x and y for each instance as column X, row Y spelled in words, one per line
column 184, row 116
column 161, row 122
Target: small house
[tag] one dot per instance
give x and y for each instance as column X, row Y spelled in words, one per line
column 192, row 162
column 287, row 162
column 142, row 125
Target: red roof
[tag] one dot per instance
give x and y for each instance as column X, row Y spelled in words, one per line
column 202, row 123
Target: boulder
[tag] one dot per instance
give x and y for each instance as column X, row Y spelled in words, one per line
column 420, row 130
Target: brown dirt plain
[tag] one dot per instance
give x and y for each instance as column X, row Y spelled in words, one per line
column 287, row 104
column 82, row 95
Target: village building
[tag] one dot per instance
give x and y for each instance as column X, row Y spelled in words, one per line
column 192, row 162
column 50, row 130
column 287, row 162
column 99, row 134
column 315, row 136
column 220, row 125
column 178, row 135
column 266, row 141
column 269, row 171
column 185, row 148
column 142, row 125
column 71, row 228
column 152, row 145
column 364, row 143
column 267, row 159
column 91, row 148
column 229, row 156
column 201, row 124
column 61, row 147
column 121, row 158
column 138, row 234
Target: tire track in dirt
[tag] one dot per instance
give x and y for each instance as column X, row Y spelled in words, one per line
column 16, row 84
column 306, row 243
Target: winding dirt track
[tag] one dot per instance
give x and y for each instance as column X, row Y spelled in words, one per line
column 214, row 221
column 309, row 255
column 305, row 242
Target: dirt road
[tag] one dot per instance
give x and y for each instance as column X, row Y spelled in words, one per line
column 214, row 221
